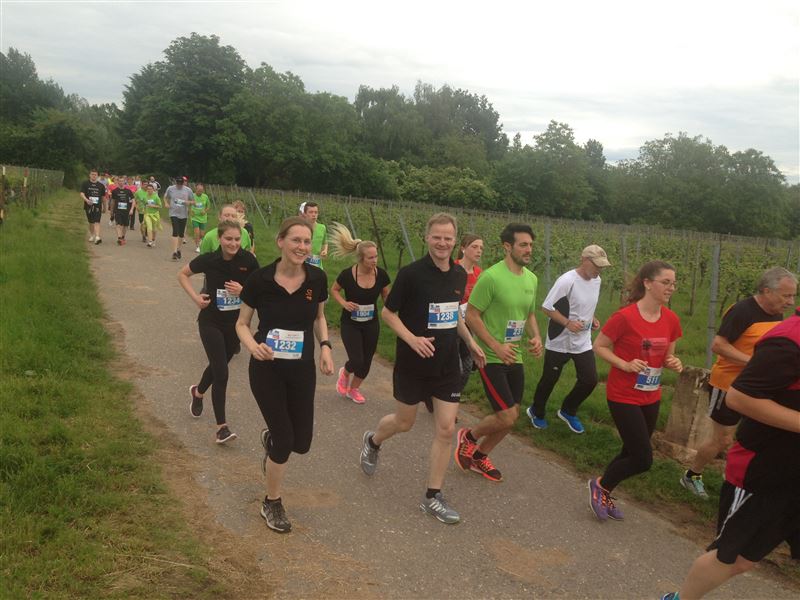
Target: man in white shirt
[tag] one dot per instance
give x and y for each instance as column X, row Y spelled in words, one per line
column 570, row 306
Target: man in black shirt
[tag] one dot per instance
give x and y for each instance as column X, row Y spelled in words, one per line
column 759, row 505
column 122, row 204
column 92, row 194
column 422, row 310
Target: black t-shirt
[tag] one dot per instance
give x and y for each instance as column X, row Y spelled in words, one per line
column 417, row 296
column 741, row 316
column 121, row 199
column 223, row 308
column 363, row 296
column 94, row 191
column 767, row 457
column 277, row 309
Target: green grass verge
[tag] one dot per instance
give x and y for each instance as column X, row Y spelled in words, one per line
column 84, row 510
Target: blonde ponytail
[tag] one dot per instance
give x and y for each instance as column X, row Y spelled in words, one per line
column 343, row 243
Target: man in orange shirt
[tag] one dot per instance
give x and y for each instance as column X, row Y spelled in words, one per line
column 742, row 325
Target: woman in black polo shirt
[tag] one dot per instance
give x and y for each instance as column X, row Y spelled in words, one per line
column 226, row 270
column 289, row 296
column 362, row 283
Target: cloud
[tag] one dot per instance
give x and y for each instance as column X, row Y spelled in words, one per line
column 622, row 73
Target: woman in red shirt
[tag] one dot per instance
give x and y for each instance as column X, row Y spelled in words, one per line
column 638, row 341
column 469, row 255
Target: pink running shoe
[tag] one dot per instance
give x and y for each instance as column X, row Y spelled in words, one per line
column 341, row 383
column 356, row 396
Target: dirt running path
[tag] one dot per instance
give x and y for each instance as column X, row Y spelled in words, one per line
column 354, row 537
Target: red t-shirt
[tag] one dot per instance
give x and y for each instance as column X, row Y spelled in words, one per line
column 472, row 279
column 634, row 337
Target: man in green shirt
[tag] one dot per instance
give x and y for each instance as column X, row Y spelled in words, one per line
column 140, row 196
column 319, row 240
column 152, row 214
column 500, row 309
column 199, row 212
column 210, row 241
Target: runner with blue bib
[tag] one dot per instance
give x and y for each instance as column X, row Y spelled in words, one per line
column 226, row 269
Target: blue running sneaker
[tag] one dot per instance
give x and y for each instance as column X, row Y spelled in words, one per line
column 536, row 421
column 671, row 596
column 573, row 422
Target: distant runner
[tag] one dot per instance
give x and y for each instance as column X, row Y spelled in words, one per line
column 93, row 194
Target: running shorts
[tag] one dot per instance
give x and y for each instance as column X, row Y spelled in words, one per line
column 752, row 525
column 198, row 225
column 93, row 213
column 504, row 384
column 121, row 217
column 178, row 226
column 411, row 388
column 719, row 411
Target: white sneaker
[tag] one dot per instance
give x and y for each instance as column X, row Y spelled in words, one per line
column 197, row 249
column 91, row 239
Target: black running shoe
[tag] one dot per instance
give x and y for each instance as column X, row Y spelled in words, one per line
column 179, row 254
column 225, row 435
column 196, row 404
column 275, row 516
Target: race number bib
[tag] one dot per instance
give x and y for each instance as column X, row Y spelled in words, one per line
column 178, row 201
column 285, row 344
column 648, row 380
column 314, row 260
column 363, row 313
column 442, row 315
column 462, row 308
column 94, row 199
column 514, row 331
column 151, row 202
column 227, row 301
column 122, row 205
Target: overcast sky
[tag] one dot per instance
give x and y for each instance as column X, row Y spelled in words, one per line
column 622, row 72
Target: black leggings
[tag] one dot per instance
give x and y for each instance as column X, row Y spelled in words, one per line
column 178, row 226
column 586, row 380
column 635, row 425
column 466, row 363
column 360, row 342
column 284, row 391
column 220, row 343
column 134, row 219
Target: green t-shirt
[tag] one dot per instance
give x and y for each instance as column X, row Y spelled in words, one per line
column 319, row 239
column 151, row 203
column 140, row 196
column 505, row 301
column 211, row 241
column 200, row 208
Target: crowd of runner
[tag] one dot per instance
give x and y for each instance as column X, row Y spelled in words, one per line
column 450, row 318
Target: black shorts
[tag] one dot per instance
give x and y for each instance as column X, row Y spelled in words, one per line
column 121, row 217
column 719, row 411
column 753, row 525
column 504, row 384
column 141, row 218
column 93, row 213
column 411, row 388
column 178, row 226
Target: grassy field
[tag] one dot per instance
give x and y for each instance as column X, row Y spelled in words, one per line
column 85, row 510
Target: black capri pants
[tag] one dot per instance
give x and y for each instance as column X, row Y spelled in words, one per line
column 635, row 424
column 284, row 391
column 178, row 226
column 221, row 343
column 360, row 341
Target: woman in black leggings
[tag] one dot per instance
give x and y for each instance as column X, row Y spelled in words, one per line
column 639, row 342
column 362, row 283
column 289, row 296
column 226, row 270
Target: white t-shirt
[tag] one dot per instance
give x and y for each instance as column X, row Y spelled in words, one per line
column 575, row 298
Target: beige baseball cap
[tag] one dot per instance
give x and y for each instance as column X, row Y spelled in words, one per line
column 597, row 255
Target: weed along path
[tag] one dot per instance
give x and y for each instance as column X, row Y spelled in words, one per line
column 530, row 536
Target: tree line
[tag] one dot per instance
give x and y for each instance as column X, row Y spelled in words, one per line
column 203, row 111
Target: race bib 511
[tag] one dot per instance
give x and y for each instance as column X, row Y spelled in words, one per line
column 648, row 380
